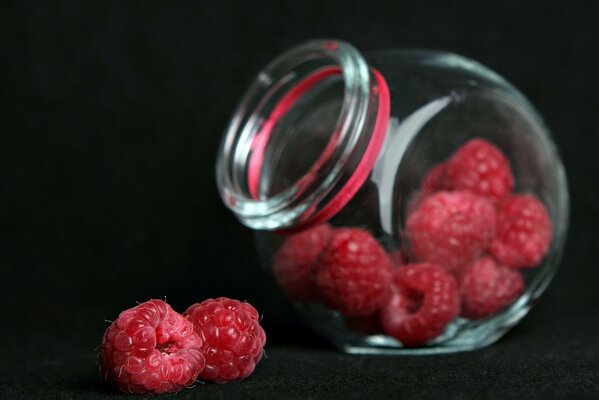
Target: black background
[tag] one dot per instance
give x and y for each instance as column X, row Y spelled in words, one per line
column 110, row 120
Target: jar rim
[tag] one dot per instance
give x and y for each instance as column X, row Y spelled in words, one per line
column 326, row 187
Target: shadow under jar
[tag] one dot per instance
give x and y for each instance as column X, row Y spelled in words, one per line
column 406, row 201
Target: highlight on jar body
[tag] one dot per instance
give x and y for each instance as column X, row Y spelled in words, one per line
column 405, row 202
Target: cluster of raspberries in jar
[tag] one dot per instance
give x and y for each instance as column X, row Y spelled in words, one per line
column 468, row 237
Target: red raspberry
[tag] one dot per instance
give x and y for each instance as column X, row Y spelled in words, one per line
column 233, row 338
column 480, row 167
column 487, row 288
column 425, row 299
column 294, row 263
column 433, row 182
column 151, row 348
column 354, row 273
column 523, row 232
column 451, row 228
column 399, row 257
column 435, row 179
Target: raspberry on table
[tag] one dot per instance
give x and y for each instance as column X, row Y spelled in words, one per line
column 151, row 348
column 480, row 167
column 294, row 263
column 487, row 288
column 523, row 232
column 233, row 340
column 425, row 299
column 354, row 273
column 451, row 229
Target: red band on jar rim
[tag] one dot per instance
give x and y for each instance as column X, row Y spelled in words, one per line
column 361, row 172
column 260, row 141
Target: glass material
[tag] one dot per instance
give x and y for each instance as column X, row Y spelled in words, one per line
column 301, row 173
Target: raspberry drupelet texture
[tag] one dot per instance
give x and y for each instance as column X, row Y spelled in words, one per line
column 294, row 263
column 487, row 288
column 480, row 167
column 523, row 233
column 425, row 299
column 151, row 348
column 451, row 229
column 233, row 340
column 354, row 273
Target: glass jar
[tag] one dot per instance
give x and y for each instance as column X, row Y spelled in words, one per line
column 409, row 201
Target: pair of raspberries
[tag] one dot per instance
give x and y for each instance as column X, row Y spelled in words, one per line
column 151, row 348
column 468, row 234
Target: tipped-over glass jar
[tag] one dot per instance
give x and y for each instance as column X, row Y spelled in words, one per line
column 405, row 201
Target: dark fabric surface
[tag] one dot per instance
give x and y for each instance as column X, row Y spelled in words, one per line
column 546, row 356
column 110, row 119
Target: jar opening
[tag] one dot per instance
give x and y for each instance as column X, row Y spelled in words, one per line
column 304, row 137
column 299, row 135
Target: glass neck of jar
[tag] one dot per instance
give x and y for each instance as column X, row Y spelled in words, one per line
column 304, row 137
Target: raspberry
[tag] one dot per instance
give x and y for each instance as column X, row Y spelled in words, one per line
column 487, row 288
column 480, row 167
column 354, row 273
column 451, row 228
column 425, row 299
column 294, row 263
column 433, row 182
column 151, row 348
column 435, row 179
column 399, row 257
column 232, row 335
column 523, row 232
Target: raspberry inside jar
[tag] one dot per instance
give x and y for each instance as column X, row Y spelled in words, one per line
column 405, row 201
